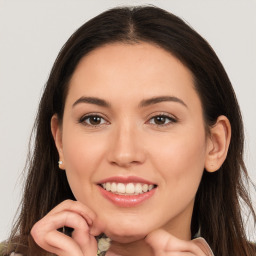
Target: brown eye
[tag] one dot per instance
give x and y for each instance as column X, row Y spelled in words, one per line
column 93, row 120
column 162, row 120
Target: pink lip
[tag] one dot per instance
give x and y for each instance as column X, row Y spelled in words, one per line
column 125, row 180
column 126, row 200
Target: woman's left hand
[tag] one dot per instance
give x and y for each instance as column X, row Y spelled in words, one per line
column 165, row 244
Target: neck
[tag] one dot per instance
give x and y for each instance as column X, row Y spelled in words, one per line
column 178, row 227
column 139, row 247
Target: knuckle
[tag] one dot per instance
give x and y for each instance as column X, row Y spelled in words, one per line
column 68, row 203
column 36, row 233
column 78, row 221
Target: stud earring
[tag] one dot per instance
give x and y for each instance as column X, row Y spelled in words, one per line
column 60, row 163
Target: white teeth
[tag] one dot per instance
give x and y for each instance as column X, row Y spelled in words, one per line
column 138, row 188
column 108, row 186
column 120, row 188
column 145, row 187
column 113, row 187
column 127, row 189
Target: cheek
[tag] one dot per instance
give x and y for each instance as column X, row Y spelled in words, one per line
column 82, row 156
column 81, row 151
column 180, row 160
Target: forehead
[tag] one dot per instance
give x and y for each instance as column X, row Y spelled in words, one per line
column 131, row 71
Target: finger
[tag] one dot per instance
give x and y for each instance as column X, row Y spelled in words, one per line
column 162, row 241
column 46, row 235
column 64, row 218
column 97, row 227
column 85, row 240
column 77, row 207
column 56, row 242
column 60, row 244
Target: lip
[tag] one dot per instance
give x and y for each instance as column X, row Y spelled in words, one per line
column 126, row 200
column 126, row 179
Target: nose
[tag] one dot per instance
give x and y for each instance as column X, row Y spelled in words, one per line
column 126, row 147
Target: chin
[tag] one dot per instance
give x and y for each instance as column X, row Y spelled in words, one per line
column 125, row 238
column 127, row 232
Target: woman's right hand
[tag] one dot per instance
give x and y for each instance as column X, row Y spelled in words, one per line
column 71, row 214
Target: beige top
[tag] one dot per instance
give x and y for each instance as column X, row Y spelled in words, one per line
column 104, row 243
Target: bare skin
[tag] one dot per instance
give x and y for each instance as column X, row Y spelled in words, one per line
column 145, row 121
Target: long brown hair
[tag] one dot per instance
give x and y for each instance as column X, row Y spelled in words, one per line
column 217, row 212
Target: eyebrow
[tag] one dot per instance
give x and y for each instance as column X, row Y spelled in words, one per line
column 155, row 100
column 143, row 103
column 92, row 100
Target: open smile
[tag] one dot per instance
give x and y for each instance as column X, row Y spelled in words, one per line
column 126, row 191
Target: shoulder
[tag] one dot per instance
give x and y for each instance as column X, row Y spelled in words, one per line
column 2, row 248
column 3, row 251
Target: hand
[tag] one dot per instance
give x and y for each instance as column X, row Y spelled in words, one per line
column 70, row 214
column 165, row 244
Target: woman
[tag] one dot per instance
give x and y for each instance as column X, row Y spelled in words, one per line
column 134, row 129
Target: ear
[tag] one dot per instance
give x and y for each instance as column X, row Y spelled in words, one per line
column 218, row 144
column 57, row 136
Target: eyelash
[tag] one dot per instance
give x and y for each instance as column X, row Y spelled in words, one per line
column 166, row 117
column 87, row 117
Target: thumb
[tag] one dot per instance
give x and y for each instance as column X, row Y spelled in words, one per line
column 161, row 240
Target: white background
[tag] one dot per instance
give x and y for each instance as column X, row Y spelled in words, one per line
column 32, row 32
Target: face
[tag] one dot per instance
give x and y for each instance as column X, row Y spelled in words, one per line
column 133, row 141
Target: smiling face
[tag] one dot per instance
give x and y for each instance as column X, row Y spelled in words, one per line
column 133, row 124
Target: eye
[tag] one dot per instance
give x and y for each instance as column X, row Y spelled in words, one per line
column 161, row 120
column 93, row 120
